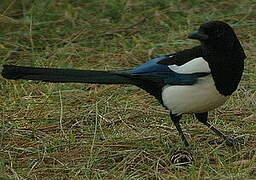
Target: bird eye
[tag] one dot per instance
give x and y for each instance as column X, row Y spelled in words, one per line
column 219, row 32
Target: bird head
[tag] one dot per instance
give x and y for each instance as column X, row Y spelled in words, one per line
column 216, row 34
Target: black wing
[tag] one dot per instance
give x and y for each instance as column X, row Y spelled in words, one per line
column 183, row 57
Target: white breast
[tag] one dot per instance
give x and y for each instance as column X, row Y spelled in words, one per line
column 200, row 97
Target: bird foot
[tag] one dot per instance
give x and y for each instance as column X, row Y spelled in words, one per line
column 228, row 141
column 181, row 158
column 234, row 142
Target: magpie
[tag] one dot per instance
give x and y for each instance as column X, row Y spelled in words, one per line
column 194, row 80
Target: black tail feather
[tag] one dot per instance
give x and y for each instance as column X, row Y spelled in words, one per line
column 81, row 76
column 64, row 75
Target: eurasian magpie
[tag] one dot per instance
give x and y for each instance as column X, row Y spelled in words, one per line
column 194, row 80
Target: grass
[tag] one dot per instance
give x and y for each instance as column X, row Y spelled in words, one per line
column 82, row 131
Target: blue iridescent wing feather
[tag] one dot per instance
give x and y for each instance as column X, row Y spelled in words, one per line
column 158, row 73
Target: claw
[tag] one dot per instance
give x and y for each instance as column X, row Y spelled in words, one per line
column 234, row 142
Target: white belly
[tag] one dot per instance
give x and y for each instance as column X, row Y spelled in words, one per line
column 198, row 98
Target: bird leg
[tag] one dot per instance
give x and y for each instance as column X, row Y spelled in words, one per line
column 203, row 118
column 176, row 120
column 180, row 157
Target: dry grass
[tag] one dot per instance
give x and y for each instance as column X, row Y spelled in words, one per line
column 81, row 131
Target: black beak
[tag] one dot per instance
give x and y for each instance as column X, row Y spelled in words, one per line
column 198, row 36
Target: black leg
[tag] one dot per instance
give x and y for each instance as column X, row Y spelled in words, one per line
column 176, row 120
column 203, row 118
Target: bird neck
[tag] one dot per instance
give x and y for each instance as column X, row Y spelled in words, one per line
column 227, row 65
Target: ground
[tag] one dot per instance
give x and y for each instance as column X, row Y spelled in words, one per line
column 82, row 131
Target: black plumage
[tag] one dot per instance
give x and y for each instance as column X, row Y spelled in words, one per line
column 224, row 64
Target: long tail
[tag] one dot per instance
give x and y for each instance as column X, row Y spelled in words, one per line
column 66, row 75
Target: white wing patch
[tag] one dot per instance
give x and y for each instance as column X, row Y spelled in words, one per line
column 200, row 97
column 193, row 66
